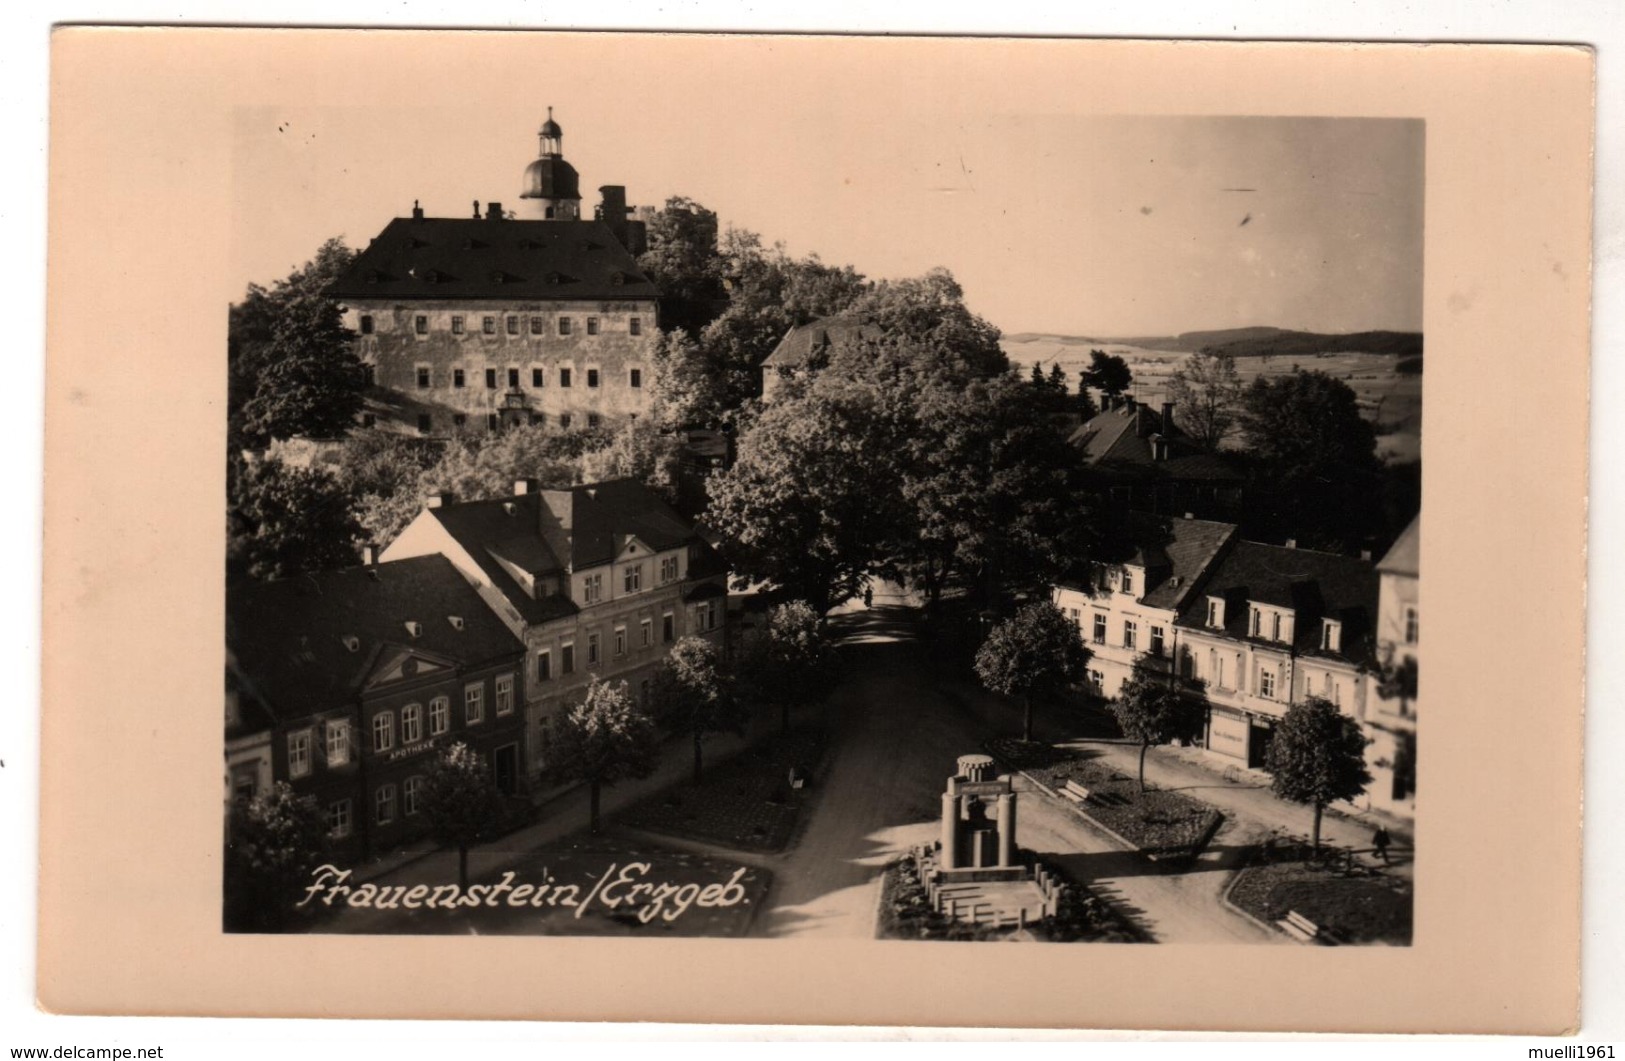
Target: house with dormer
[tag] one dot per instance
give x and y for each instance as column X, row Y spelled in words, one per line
column 1269, row 625
column 345, row 683
column 1126, row 611
column 598, row 580
column 470, row 325
column 1138, row 458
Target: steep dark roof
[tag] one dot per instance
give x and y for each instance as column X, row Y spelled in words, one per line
column 1405, row 557
column 1315, row 585
column 288, row 637
column 246, row 712
column 1120, row 440
column 1175, row 554
column 551, row 533
column 801, row 342
column 439, row 257
column 1177, row 562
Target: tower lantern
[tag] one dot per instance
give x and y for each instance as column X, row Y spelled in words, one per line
column 551, row 183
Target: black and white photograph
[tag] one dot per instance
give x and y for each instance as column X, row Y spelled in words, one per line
column 720, row 529
column 821, row 517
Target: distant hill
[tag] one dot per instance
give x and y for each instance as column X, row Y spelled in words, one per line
column 1254, row 342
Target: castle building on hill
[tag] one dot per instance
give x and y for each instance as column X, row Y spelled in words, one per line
column 472, row 325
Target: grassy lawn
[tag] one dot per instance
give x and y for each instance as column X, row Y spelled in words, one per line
column 905, row 913
column 599, row 887
column 1360, row 909
column 1168, row 825
column 746, row 802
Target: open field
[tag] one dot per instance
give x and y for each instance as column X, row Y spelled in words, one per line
column 1390, row 400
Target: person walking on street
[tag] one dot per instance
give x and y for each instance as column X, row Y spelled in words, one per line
column 1379, row 840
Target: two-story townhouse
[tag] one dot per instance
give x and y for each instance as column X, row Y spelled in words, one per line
column 1268, row 626
column 1127, row 611
column 365, row 673
column 598, row 581
column 1391, row 720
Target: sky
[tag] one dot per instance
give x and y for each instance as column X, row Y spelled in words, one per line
column 1053, row 221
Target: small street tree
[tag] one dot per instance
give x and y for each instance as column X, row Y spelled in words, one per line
column 273, row 842
column 1151, row 710
column 1036, row 652
column 605, row 739
column 461, row 799
column 1317, row 757
column 694, row 696
column 791, row 663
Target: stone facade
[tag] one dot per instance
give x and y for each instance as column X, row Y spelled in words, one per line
column 451, row 367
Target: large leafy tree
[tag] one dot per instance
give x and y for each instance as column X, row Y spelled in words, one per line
column 989, row 489
column 291, row 369
column 272, row 843
column 708, row 365
column 1316, row 459
column 694, row 696
column 461, row 800
column 282, row 520
column 1317, row 757
column 1207, row 393
column 929, row 312
column 811, row 503
column 1107, row 373
column 684, row 261
column 1036, row 652
column 606, row 739
column 1149, row 710
column 791, row 664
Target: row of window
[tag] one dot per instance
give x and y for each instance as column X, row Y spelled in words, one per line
column 592, row 586
column 337, row 741
column 708, row 617
column 493, row 421
column 340, row 816
column 513, row 324
column 1131, row 633
column 538, row 378
column 567, row 649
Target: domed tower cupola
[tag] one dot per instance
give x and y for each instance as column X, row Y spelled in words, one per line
column 552, row 184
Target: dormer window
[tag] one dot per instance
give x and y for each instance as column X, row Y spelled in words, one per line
column 414, row 629
column 1128, row 581
column 1331, row 635
column 1215, row 613
column 1255, row 624
column 352, row 643
column 456, row 621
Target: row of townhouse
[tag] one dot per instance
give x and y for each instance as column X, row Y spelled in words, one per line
column 342, row 683
column 1258, row 628
column 483, row 622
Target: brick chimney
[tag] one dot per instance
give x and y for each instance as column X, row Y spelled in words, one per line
column 369, row 555
column 493, row 211
column 521, row 487
column 1168, row 418
column 437, row 500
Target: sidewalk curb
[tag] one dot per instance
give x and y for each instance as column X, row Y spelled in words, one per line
column 1086, row 816
column 1224, row 897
